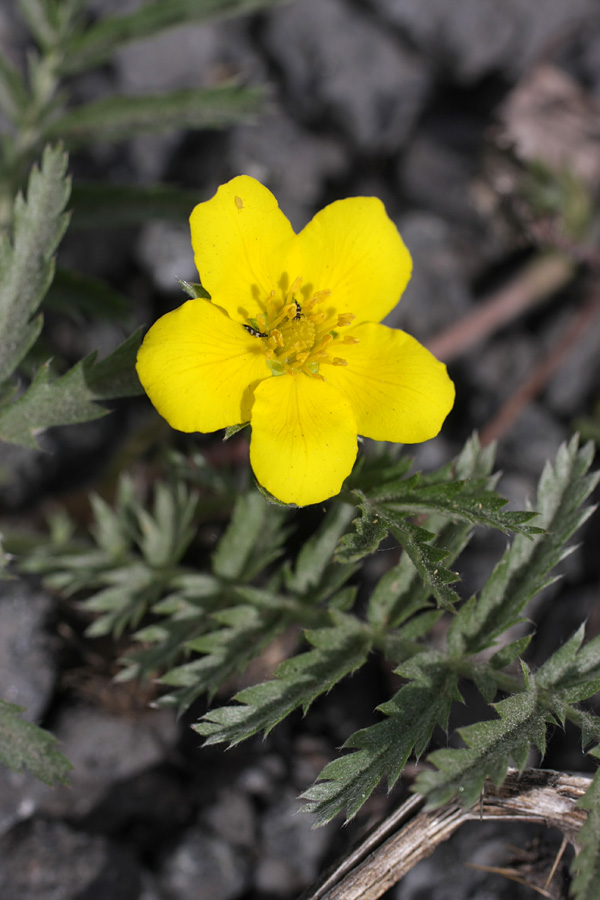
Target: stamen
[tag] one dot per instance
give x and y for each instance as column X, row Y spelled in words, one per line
column 295, row 337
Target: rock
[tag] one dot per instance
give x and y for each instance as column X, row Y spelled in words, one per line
column 231, row 817
column 437, row 294
column 16, row 800
column 27, row 658
column 203, row 865
column 532, row 440
column 471, row 38
column 165, row 252
column 24, row 473
column 447, row 874
column 291, row 850
column 49, row 861
column 340, row 67
column 104, row 750
column 436, row 174
column 293, row 163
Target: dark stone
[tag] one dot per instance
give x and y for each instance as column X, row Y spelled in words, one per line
column 204, row 865
column 437, row 294
column 340, row 67
column 42, row 860
column 471, row 38
column 27, row 657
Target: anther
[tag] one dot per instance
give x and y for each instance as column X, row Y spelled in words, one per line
column 338, row 361
column 348, row 339
column 345, row 319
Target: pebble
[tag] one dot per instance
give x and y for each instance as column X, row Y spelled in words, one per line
column 42, row 860
column 342, row 69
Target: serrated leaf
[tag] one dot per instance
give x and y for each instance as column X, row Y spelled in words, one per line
column 525, row 567
column 370, row 532
column 317, row 552
column 429, row 561
column 251, row 540
column 101, row 40
column 381, row 750
column 245, row 631
column 401, row 592
column 571, row 674
column 25, row 745
column 70, row 398
column 118, row 118
column 26, row 261
column 490, row 747
column 586, row 864
column 339, row 651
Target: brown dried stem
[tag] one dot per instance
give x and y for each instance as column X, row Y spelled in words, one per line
column 533, row 284
column 410, row 834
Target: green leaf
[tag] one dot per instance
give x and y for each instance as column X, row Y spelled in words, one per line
column 586, row 864
column 524, row 568
column 118, row 118
column 245, row 631
column 24, row 745
column 252, row 539
column 571, row 674
column 70, row 398
column 382, row 749
column 78, row 296
column 401, row 592
column 124, row 205
column 491, row 745
column 429, row 561
column 195, row 290
column 340, row 650
column 102, row 39
column 370, row 532
column 317, row 552
column 13, row 93
column 26, row 264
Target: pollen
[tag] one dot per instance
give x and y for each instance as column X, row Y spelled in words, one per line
column 297, row 330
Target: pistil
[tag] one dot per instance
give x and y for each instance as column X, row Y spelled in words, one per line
column 296, row 336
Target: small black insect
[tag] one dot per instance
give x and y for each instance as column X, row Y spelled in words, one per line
column 254, row 331
column 298, row 310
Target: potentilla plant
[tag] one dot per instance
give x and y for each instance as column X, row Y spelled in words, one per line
column 283, row 333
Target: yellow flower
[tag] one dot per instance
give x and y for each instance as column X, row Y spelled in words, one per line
column 290, row 340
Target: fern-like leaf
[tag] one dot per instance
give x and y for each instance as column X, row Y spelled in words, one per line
column 26, row 261
column 586, row 864
column 381, row 750
column 339, row 651
column 25, row 745
column 525, row 568
column 490, row 747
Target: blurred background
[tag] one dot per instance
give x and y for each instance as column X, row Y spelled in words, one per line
column 478, row 125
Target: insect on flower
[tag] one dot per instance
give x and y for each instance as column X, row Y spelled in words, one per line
column 311, row 367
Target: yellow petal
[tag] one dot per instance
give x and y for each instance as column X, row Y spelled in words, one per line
column 354, row 250
column 238, row 239
column 303, row 442
column 398, row 390
column 200, row 368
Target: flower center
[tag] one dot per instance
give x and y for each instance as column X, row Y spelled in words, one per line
column 298, row 336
